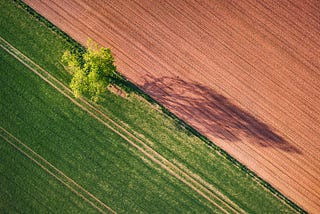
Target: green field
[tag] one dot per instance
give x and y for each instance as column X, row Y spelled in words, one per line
column 109, row 150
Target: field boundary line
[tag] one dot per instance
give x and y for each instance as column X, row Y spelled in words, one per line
column 56, row 171
column 261, row 181
column 174, row 163
column 198, row 186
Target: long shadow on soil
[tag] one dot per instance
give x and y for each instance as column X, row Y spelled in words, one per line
column 214, row 114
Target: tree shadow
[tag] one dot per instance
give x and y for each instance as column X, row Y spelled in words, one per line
column 212, row 113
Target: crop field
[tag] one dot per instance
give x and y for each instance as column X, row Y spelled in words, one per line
column 243, row 73
column 61, row 154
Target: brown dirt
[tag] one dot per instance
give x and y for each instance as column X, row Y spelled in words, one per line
column 244, row 73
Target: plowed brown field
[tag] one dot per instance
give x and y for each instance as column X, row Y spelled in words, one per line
column 244, row 73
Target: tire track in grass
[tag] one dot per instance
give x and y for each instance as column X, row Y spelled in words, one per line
column 54, row 172
column 196, row 183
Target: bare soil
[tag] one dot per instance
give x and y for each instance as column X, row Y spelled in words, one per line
column 246, row 74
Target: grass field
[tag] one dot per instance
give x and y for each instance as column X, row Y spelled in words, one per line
column 143, row 161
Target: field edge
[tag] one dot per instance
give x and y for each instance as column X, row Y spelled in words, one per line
column 135, row 89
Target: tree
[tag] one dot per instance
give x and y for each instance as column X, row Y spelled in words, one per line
column 92, row 71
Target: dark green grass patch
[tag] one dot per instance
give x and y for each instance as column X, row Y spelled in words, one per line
column 26, row 188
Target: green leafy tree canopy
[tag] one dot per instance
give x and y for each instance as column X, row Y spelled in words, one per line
column 92, row 71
